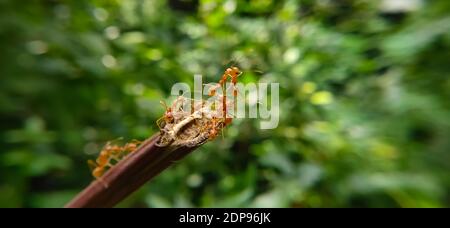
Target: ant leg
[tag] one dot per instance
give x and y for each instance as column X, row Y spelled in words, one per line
column 158, row 122
column 100, row 179
column 92, row 165
column 223, row 134
column 235, row 90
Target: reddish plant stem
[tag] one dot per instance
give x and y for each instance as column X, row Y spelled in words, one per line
column 128, row 175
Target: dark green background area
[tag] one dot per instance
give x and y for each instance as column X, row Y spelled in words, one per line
column 364, row 99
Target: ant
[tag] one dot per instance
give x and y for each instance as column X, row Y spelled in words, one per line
column 100, row 165
column 233, row 73
column 172, row 112
column 168, row 115
column 110, row 155
column 132, row 146
column 213, row 127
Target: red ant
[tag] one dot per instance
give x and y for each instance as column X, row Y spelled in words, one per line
column 233, row 73
column 216, row 124
column 103, row 161
column 111, row 153
column 168, row 115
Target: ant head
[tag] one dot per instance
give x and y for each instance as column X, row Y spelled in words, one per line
column 105, row 152
column 228, row 71
column 235, row 71
column 169, row 117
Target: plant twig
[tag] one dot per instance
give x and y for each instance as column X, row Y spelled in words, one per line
column 183, row 132
column 129, row 174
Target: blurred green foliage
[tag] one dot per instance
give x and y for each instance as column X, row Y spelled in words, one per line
column 365, row 95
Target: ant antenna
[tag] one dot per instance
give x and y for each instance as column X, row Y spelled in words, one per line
column 163, row 103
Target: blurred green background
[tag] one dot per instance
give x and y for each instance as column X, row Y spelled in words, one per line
column 364, row 99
